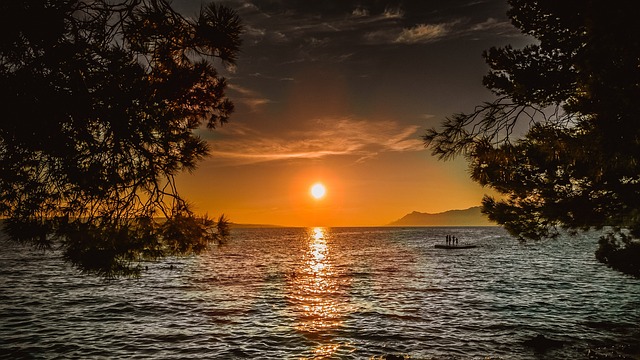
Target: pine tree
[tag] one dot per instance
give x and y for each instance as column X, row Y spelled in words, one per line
column 100, row 101
column 574, row 95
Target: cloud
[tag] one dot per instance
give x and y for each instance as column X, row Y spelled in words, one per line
column 418, row 34
column 258, row 75
column 278, row 37
column 347, row 23
column 254, row 32
column 249, row 8
column 254, row 35
column 325, row 137
column 318, row 33
column 496, row 26
column 360, row 12
column 393, row 13
column 248, row 97
column 487, row 24
column 422, row 33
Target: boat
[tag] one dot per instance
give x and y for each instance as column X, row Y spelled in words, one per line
column 440, row 246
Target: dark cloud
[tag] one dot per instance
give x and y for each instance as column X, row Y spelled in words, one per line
column 416, row 9
column 402, row 59
column 351, row 23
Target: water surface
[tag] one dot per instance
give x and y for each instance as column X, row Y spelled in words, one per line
column 343, row 293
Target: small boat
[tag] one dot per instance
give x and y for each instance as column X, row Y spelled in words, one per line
column 440, row 246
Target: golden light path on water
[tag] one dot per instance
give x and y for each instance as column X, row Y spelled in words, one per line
column 318, row 292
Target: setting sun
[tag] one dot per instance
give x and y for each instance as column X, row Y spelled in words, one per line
column 318, row 191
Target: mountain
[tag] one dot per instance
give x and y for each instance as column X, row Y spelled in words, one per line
column 467, row 217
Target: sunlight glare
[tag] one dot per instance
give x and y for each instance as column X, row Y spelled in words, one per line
column 316, row 289
column 318, row 190
column 318, row 234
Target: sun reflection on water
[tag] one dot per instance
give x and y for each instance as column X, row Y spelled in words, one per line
column 317, row 292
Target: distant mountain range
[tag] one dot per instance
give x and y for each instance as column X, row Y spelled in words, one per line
column 467, row 217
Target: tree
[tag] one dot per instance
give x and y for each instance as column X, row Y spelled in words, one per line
column 100, row 100
column 561, row 141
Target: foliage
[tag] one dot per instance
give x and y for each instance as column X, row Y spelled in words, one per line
column 561, row 141
column 100, row 100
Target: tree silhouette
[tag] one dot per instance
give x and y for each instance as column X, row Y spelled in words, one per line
column 100, row 100
column 561, row 142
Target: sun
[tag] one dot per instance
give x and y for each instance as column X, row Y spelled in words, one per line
column 318, row 191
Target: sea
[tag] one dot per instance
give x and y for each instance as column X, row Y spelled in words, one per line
column 329, row 293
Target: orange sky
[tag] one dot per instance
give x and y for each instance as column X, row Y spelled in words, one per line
column 366, row 192
column 340, row 92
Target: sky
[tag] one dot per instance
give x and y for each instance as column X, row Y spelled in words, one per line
column 340, row 92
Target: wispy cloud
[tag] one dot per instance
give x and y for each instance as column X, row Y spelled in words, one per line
column 248, row 97
column 362, row 139
column 418, row 34
column 393, row 13
column 431, row 32
column 346, row 24
column 254, row 32
column 311, row 32
column 269, row 77
column 422, row 33
column 360, row 12
column 496, row 26
column 490, row 23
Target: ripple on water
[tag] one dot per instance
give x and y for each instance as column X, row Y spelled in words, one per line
column 347, row 293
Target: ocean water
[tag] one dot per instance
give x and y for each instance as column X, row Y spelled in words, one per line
column 328, row 293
